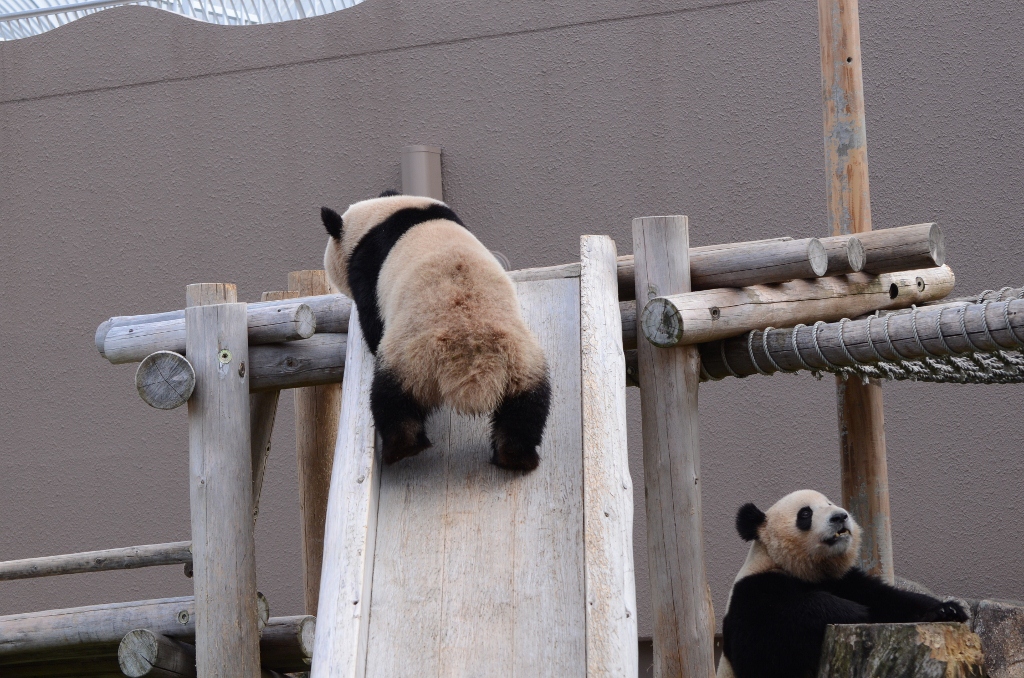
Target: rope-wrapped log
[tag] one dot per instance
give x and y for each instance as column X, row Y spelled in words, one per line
column 928, row 332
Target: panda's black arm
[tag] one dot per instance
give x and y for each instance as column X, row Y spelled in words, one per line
column 776, row 624
column 888, row 604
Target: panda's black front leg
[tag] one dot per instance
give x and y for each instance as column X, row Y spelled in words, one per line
column 399, row 418
column 517, row 427
column 889, row 604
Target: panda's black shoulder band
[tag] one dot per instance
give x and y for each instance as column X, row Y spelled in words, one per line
column 368, row 258
column 748, row 519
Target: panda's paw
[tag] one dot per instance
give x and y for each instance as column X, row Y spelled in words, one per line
column 948, row 611
column 513, row 458
column 393, row 450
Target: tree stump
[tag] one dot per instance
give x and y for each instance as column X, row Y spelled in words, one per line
column 901, row 651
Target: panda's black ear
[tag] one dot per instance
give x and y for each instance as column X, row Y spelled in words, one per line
column 388, row 194
column 748, row 519
column 332, row 222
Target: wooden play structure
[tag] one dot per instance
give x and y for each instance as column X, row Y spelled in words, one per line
column 444, row 565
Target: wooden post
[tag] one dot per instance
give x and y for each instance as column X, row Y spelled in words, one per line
column 684, row 621
column 262, row 412
column 607, row 487
column 316, row 430
column 220, row 480
column 865, row 477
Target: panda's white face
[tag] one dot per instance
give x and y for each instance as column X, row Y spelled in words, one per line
column 810, row 537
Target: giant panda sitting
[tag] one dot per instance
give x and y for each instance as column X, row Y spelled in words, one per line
column 798, row 578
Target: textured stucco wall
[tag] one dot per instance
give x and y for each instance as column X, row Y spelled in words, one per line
column 140, row 152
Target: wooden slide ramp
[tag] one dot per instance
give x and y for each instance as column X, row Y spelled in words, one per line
column 444, row 565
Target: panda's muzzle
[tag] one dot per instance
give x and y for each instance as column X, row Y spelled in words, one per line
column 838, row 522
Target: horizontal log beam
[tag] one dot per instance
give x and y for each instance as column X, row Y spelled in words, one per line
column 293, row 364
column 287, row 643
column 286, row 321
column 96, row 630
column 128, row 558
column 330, row 312
column 699, row 317
column 901, row 249
column 934, row 331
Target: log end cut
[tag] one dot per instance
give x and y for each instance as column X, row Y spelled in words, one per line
column 901, row 651
column 662, row 323
column 165, row 380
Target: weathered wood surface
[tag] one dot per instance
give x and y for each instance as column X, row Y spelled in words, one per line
column 128, row 558
column 85, row 631
column 865, row 479
column 144, row 653
column 903, row 248
column 938, row 333
column 295, row 364
column 339, row 649
column 283, row 321
column 698, row 317
column 627, row 318
column 684, row 624
column 286, row 644
column 262, row 413
column 480, row 571
column 901, row 651
column 165, row 380
column 846, row 255
column 331, row 312
column 316, row 431
column 85, row 640
column 607, row 485
column 220, row 480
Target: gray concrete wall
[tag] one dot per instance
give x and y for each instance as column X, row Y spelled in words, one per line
column 140, row 152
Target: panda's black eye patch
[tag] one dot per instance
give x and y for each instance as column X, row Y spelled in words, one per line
column 803, row 518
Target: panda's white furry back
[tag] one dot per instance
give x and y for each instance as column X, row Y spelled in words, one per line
column 444, row 322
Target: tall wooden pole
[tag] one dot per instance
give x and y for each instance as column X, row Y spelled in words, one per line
column 316, row 430
column 220, row 484
column 684, row 620
column 865, row 477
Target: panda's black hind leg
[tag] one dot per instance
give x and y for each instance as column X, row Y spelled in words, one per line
column 399, row 418
column 517, row 427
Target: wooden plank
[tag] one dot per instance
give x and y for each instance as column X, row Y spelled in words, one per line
column 697, row 317
column 684, row 623
column 128, row 558
column 607, row 486
column 480, row 571
column 220, row 479
column 343, row 609
column 865, row 479
column 284, row 321
column 901, row 651
column 262, row 413
column 316, row 431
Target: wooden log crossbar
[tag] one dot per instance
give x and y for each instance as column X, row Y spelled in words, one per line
column 128, row 558
column 698, row 317
column 931, row 331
